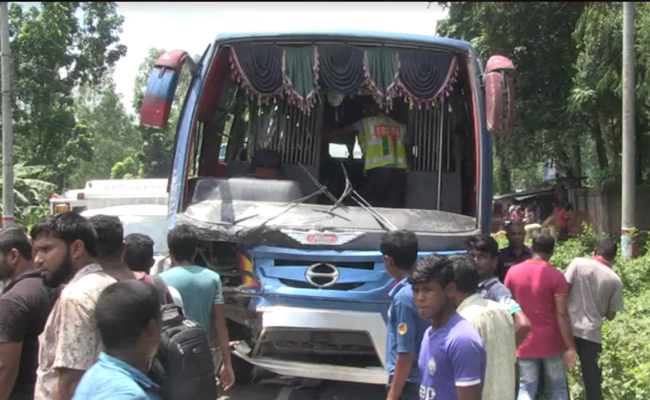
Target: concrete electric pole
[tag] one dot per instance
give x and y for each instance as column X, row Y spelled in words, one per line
column 628, row 191
column 7, row 133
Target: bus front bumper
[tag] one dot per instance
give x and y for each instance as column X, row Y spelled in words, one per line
column 298, row 342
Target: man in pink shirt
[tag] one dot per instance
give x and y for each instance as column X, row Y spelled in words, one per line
column 542, row 291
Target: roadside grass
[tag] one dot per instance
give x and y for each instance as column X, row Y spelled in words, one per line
column 625, row 360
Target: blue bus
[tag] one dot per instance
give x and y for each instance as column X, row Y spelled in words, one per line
column 298, row 252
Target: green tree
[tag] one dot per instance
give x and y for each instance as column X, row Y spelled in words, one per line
column 538, row 38
column 596, row 95
column 28, row 192
column 109, row 128
column 56, row 48
column 570, row 115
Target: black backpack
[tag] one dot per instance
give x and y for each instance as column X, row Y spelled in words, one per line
column 183, row 367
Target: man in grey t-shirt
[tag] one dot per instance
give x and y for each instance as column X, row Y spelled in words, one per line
column 596, row 292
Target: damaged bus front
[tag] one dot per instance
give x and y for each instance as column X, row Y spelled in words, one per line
column 284, row 218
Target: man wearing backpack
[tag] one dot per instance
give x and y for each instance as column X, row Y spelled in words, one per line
column 201, row 291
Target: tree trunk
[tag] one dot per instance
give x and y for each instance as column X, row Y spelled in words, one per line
column 598, row 133
column 505, row 178
column 576, row 164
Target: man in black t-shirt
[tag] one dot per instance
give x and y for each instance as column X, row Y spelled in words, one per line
column 24, row 308
column 516, row 252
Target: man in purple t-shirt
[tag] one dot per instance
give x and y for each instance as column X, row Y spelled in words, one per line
column 452, row 358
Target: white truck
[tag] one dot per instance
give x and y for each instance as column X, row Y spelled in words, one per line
column 140, row 204
column 109, row 193
column 148, row 219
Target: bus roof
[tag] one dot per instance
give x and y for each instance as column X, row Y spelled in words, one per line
column 350, row 34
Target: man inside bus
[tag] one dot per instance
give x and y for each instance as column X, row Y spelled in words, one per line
column 267, row 164
column 381, row 139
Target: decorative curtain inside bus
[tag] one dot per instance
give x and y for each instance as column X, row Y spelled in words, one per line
column 295, row 73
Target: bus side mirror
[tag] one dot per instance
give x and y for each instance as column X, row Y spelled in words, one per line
column 499, row 95
column 161, row 87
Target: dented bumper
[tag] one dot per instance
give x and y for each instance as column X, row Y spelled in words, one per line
column 316, row 336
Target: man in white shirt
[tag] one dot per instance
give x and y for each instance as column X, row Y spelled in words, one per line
column 596, row 292
column 495, row 325
column 64, row 250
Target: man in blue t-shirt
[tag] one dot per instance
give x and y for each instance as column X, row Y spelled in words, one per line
column 452, row 357
column 405, row 327
column 201, row 291
column 128, row 318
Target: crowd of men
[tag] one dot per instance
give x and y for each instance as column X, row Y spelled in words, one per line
column 488, row 325
column 81, row 317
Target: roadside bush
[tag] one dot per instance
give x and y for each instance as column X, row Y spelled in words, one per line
column 625, row 360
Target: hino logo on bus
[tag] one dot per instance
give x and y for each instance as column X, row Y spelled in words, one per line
column 321, row 237
column 322, row 275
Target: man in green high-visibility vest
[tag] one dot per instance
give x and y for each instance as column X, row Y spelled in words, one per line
column 381, row 139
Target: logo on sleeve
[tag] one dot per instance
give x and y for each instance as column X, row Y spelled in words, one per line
column 431, row 366
column 402, row 328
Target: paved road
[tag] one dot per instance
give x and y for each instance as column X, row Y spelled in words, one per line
column 324, row 391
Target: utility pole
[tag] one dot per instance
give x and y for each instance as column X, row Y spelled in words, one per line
column 7, row 132
column 628, row 191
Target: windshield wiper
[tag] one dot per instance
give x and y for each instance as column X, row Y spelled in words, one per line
column 327, row 193
column 320, row 186
column 346, row 192
column 349, row 190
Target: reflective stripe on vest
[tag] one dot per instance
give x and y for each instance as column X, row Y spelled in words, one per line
column 383, row 143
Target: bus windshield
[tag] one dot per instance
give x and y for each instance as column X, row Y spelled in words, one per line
column 408, row 149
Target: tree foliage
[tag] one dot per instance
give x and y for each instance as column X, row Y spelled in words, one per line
column 56, row 48
column 109, row 128
column 568, row 83
column 28, row 191
column 538, row 38
column 597, row 92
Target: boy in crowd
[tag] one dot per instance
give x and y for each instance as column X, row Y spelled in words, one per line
column 138, row 256
column 596, row 293
column 485, row 251
column 405, row 327
column 64, row 250
column 24, row 308
column 201, row 291
column 493, row 322
column 452, row 358
column 129, row 322
column 138, row 252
